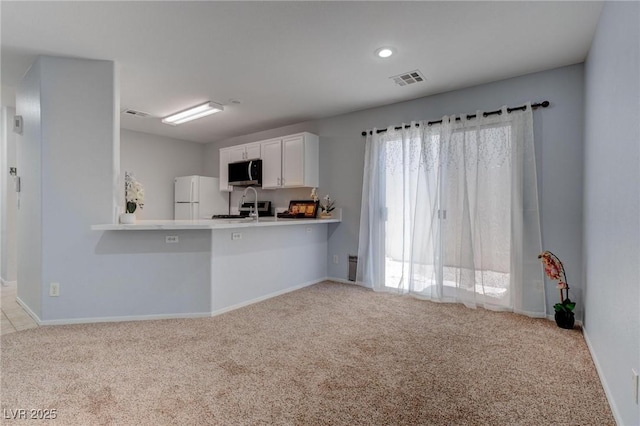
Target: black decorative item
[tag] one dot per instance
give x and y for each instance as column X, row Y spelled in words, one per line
column 565, row 319
column 301, row 209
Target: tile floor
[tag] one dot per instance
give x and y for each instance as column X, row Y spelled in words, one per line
column 14, row 318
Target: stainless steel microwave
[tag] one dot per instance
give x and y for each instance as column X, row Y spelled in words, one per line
column 245, row 173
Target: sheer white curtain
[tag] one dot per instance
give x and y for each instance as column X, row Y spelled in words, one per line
column 450, row 213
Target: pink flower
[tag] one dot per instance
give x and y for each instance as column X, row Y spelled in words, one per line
column 552, row 271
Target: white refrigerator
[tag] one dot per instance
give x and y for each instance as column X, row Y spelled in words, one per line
column 199, row 197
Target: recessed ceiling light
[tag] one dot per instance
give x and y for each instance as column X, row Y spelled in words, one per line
column 385, row 52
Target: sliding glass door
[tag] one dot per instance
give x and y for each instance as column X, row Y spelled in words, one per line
column 475, row 218
column 450, row 212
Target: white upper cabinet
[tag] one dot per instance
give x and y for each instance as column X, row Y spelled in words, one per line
column 287, row 162
column 291, row 162
column 272, row 163
column 250, row 151
column 253, row 151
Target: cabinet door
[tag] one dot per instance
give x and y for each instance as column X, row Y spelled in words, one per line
column 236, row 154
column 253, row 151
column 225, row 159
column 271, row 163
column 293, row 161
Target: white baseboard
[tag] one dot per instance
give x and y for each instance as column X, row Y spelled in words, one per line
column 605, row 386
column 553, row 318
column 107, row 319
column 8, row 283
column 29, row 311
column 266, row 296
column 91, row 320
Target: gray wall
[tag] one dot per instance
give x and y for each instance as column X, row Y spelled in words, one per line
column 156, row 161
column 612, row 203
column 558, row 134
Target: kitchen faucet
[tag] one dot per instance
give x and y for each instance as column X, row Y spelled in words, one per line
column 254, row 212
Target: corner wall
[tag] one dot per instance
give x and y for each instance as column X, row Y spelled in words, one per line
column 29, row 220
column 69, row 160
column 8, row 199
column 612, row 204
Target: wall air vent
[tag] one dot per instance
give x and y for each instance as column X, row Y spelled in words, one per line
column 135, row 113
column 407, row 78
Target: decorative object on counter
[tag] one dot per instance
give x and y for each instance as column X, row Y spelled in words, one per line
column 300, row 209
column 326, row 207
column 314, row 194
column 133, row 196
column 554, row 269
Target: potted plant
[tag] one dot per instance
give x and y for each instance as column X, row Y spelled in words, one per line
column 554, row 269
column 327, row 206
column 133, row 196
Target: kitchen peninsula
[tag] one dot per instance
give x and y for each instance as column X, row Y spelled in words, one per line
column 220, row 265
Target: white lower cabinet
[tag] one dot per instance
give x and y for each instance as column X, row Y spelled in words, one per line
column 291, row 162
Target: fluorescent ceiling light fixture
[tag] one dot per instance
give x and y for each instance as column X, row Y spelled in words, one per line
column 198, row 111
column 385, row 52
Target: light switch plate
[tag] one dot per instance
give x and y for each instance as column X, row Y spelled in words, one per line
column 169, row 239
column 54, row 289
column 17, row 124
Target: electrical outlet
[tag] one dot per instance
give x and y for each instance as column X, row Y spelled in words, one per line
column 236, row 236
column 171, row 239
column 335, row 259
column 54, row 289
column 634, row 376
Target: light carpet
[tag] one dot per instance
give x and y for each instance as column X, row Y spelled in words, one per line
column 327, row 354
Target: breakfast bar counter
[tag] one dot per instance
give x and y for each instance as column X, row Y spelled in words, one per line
column 164, row 225
column 194, row 268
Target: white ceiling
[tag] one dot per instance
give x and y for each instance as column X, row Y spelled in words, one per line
column 289, row 62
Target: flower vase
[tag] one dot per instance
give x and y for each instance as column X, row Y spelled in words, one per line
column 565, row 319
column 128, row 218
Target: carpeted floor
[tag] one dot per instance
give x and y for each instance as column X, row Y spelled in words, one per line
column 328, row 354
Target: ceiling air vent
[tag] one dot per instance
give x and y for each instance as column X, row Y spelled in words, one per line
column 135, row 113
column 406, row 78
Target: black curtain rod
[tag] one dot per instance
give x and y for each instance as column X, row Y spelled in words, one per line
column 542, row 104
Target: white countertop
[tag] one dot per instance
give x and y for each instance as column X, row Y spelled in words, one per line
column 149, row 225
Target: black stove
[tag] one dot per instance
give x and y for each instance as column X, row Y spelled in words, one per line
column 228, row 216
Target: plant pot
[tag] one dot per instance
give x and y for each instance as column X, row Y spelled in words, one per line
column 565, row 319
column 127, row 218
column 326, row 215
